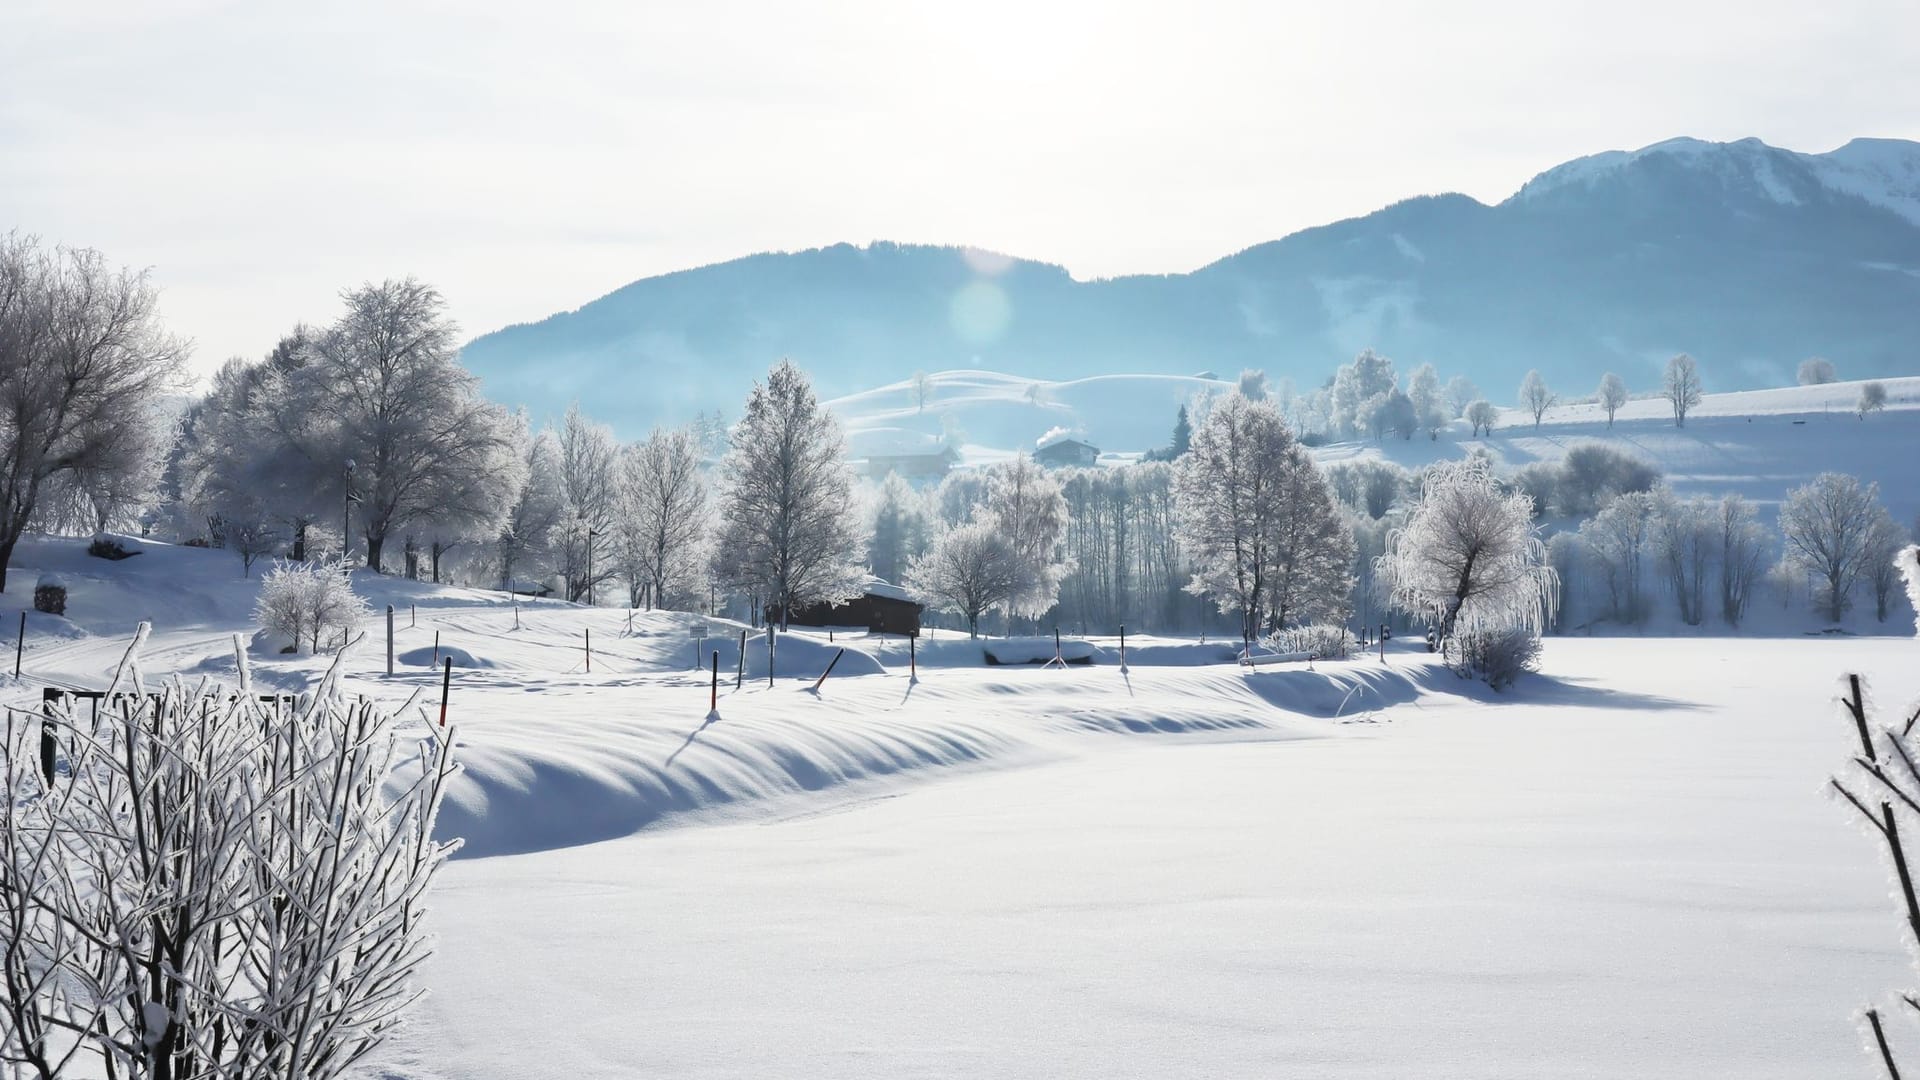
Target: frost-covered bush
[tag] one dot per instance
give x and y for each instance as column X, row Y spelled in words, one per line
column 1325, row 641
column 211, row 885
column 1873, row 397
column 50, row 595
column 105, row 546
column 1496, row 656
column 1593, row 474
column 1541, row 482
column 313, row 602
column 1882, row 785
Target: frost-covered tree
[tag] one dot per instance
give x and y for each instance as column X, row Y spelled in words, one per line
column 1815, row 371
column 1369, row 485
column 1535, row 398
column 1312, row 549
column 218, row 886
column 920, row 387
column 1253, row 384
column 1358, row 389
column 245, row 457
column 1461, row 393
column 1885, row 539
column 1230, row 488
column 1681, row 387
column 1611, row 395
column 311, row 600
column 1423, row 389
column 789, row 529
column 1873, row 398
column 1825, row 526
column 1592, row 473
column 662, row 517
column 1540, row 481
column 1684, row 540
column 1394, row 413
column 522, row 545
column 1482, row 415
column 84, row 365
column 1032, row 511
column 1744, row 545
column 250, row 537
column 1468, row 556
column 1616, row 540
column 584, row 543
column 969, row 570
column 379, row 395
column 901, row 528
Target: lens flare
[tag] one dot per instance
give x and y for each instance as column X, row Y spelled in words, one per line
column 980, row 313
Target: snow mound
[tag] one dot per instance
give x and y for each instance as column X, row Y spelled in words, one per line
column 428, row 657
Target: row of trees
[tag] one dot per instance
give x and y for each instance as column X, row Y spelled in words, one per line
column 1834, row 541
column 371, row 423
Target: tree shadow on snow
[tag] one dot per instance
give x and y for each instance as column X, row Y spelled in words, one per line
column 1572, row 693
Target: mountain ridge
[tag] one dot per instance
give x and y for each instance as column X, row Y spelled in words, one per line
column 1749, row 256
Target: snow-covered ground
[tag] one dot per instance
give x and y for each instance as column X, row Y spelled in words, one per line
column 1626, row 870
column 1625, row 867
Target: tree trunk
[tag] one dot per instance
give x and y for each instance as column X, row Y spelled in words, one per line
column 374, row 543
column 6, row 561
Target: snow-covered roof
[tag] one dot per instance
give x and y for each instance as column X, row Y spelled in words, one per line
column 878, row 587
column 1058, row 437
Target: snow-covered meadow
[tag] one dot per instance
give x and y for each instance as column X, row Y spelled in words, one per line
column 1624, row 866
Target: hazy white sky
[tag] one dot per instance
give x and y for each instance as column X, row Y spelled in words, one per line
column 260, row 156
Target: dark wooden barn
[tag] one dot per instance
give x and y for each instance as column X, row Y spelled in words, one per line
column 882, row 609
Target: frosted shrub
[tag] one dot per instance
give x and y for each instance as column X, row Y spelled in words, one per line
column 1496, row 656
column 1882, row 784
column 211, row 885
column 50, row 595
column 1326, row 641
column 308, row 601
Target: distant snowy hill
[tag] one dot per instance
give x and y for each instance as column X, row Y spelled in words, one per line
column 1750, row 257
column 995, row 415
column 1759, row 443
column 1756, row 443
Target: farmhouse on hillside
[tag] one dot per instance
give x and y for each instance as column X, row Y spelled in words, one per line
column 1058, row 450
column 917, row 458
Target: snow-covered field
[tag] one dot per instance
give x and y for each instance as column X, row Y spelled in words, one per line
column 1625, row 867
column 1626, row 870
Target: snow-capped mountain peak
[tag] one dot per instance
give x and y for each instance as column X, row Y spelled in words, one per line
column 1884, row 172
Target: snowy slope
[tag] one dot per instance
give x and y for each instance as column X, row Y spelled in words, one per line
column 1001, row 414
column 556, row 754
column 1757, row 443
